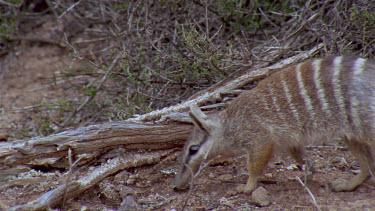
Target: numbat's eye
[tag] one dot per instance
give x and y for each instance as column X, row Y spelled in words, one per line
column 193, row 149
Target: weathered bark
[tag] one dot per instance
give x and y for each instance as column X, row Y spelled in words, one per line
column 92, row 141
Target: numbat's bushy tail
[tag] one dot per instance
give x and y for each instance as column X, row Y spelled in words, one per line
column 315, row 100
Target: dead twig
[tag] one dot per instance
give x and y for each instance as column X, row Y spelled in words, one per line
column 74, row 188
column 89, row 98
column 68, row 178
column 70, row 8
column 309, row 192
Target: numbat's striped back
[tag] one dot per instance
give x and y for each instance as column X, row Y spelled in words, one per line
column 334, row 95
column 315, row 100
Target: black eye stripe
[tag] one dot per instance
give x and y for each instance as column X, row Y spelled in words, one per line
column 204, row 139
column 188, row 156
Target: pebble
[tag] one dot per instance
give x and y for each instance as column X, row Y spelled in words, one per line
column 128, row 204
column 261, row 197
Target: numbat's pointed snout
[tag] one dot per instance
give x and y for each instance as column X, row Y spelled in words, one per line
column 302, row 104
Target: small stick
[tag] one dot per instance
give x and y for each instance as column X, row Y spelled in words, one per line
column 70, row 8
column 311, row 195
column 68, row 178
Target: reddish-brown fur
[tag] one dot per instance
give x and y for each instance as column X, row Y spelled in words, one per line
column 305, row 103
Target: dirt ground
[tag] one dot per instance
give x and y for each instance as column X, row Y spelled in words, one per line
column 150, row 187
column 27, row 84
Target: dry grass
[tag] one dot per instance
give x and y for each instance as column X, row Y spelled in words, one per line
column 141, row 56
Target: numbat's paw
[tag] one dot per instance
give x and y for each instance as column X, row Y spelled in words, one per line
column 247, row 189
column 339, row 185
column 347, row 185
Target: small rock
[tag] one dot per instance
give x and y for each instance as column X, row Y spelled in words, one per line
column 225, row 177
column 128, row 204
column 134, row 176
column 143, row 184
column 108, row 192
column 211, row 176
column 279, row 162
column 268, row 175
column 121, row 177
column 292, row 167
column 130, row 181
column 124, row 191
column 169, row 171
column 223, row 162
column 260, row 197
column 4, row 134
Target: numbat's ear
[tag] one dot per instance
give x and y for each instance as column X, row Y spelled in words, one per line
column 200, row 120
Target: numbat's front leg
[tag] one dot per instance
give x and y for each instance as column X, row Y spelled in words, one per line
column 257, row 159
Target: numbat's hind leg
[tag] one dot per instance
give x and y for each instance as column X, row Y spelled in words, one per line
column 363, row 152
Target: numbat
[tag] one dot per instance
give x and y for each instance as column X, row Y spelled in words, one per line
column 308, row 102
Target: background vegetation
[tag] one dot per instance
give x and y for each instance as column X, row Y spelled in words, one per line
column 138, row 56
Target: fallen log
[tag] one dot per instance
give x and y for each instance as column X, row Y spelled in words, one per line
column 87, row 143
